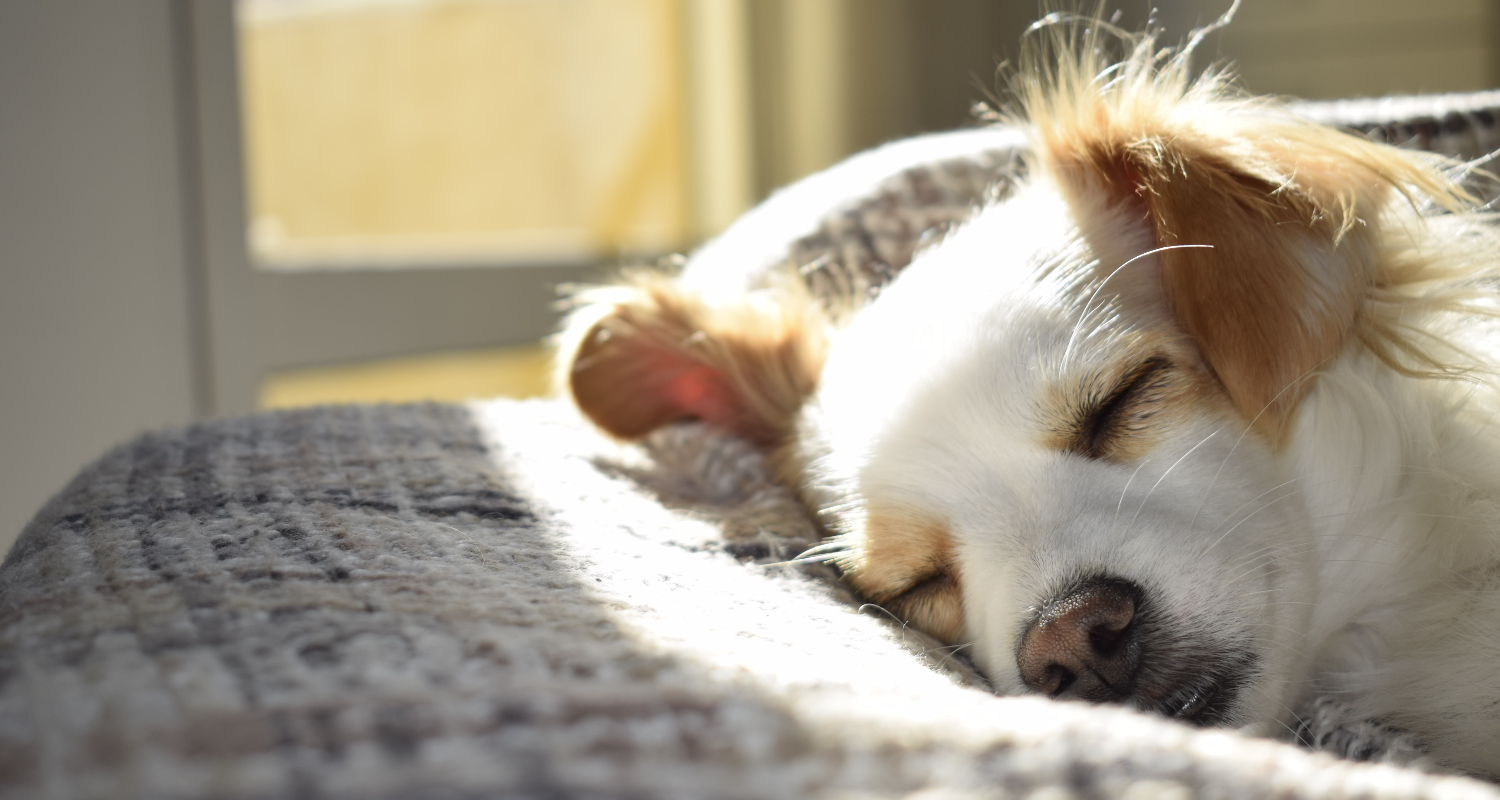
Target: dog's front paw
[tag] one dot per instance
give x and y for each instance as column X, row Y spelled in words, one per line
column 1330, row 726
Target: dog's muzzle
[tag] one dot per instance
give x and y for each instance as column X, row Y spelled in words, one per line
column 1085, row 644
column 1098, row 641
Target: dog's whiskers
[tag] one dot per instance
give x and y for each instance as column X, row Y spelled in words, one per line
column 1147, row 498
column 1268, row 504
column 1405, row 469
column 1116, row 522
column 1068, row 350
column 1217, row 474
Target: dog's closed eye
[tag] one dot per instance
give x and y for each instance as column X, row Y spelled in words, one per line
column 908, row 567
column 1113, row 420
column 934, row 603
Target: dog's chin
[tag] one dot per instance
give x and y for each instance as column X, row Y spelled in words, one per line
column 1211, row 688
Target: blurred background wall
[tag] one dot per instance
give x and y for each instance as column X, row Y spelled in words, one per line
column 97, row 319
column 208, row 208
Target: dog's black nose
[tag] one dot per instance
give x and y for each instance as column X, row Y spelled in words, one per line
column 1085, row 643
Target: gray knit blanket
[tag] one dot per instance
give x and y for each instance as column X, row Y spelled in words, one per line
column 494, row 601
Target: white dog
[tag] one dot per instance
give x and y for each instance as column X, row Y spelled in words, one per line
column 1201, row 418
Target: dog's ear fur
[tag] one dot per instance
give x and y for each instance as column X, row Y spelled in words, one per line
column 1275, row 293
column 649, row 352
column 1289, row 210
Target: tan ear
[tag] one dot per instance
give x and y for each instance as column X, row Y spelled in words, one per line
column 1277, row 296
column 1290, row 209
column 1289, row 212
column 904, row 562
column 648, row 353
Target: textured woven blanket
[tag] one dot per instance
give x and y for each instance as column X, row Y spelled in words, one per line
column 493, row 601
column 438, row 601
column 860, row 221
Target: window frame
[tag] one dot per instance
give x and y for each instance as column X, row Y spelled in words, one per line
column 255, row 321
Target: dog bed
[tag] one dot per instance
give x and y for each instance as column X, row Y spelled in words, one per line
column 493, row 600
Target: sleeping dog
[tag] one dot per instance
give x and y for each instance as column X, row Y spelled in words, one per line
column 1201, row 418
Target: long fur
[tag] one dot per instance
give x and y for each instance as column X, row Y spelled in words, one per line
column 1239, row 363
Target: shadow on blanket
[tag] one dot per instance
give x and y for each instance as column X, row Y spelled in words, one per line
column 438, row 601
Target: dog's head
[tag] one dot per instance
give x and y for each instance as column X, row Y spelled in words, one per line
column 1063, row 433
